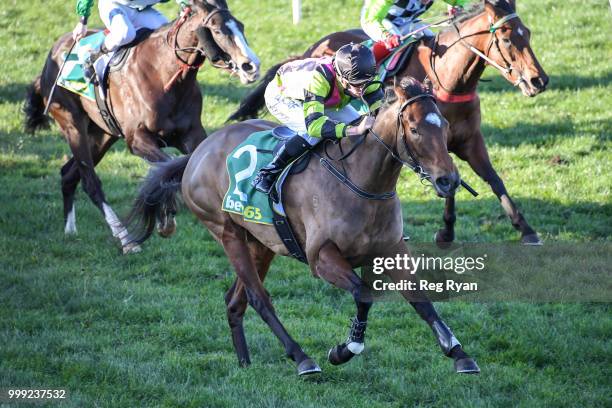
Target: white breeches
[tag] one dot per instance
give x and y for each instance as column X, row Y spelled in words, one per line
column 123, row 22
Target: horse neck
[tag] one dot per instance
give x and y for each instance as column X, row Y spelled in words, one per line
column 457, row 69
column 371, row 166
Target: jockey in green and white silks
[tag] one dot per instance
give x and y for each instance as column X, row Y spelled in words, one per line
column 312, row 97
column 388, row 20
column 122, row 18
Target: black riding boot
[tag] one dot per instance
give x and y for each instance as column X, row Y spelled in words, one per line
column 89, row 71
column 291, row 150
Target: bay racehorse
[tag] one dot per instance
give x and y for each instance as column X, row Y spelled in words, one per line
column 338, row 229
column 155, row 99
column 489, row 34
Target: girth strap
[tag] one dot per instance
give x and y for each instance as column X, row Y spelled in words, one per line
column 106, row 113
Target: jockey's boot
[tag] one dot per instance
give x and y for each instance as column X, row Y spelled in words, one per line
column 291, row 150
column 89, row 71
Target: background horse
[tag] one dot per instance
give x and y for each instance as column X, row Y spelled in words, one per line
column 155, row 99
column 337, row 229
column 453, row 62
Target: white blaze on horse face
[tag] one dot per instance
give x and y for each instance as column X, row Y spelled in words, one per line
column 71, row 222
column 434, row 119
column 520, row 31
column 242, row 44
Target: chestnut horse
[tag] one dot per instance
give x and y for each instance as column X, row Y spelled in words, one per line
column 453, row 61
column 338, row 229
column 155, row 99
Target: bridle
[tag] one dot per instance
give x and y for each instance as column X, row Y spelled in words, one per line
column 184, row 65
column 494, row 40
column 413, row 164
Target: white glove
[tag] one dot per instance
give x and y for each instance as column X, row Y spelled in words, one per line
column 363, row 126
column 79, row 31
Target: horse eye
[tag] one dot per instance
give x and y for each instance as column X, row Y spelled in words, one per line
column 413, row 130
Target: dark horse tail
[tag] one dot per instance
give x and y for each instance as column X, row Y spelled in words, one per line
column 156, row 199
column 34, row 108
column 254, row 101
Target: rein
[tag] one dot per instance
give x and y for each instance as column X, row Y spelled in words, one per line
column 447, row 95
column 414, row 166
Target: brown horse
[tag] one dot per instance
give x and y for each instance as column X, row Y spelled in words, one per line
column 155, row 99
column 338, row 229
column 453, row 62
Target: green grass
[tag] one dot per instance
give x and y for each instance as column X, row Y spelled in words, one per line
column 150, row 329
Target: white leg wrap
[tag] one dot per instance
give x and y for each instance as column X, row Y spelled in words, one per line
column 355, row 348
column 119, row 231
column 70, row 228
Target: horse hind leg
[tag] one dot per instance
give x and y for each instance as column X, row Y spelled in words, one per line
column 335, row 269
column 236, row 301
column 70, row 180
column 234, row 241
column 478, row 158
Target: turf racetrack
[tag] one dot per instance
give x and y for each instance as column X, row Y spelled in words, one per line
column 150, row 329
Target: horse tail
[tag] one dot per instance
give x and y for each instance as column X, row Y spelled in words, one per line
column 157, row 198
column 34, row 108
column 254, row 101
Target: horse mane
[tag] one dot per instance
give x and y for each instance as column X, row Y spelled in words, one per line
column 478, row 8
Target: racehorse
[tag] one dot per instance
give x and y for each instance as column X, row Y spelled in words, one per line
column 338, row 228
column 453, row 62
column 155, row 99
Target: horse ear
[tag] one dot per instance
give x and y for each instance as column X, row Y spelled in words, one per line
column 397, row 87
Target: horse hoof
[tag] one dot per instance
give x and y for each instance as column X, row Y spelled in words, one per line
column 339, row 354
column 131, row 249
column 532, row 240
column 466, row 366
column 166, row 230
column 308, row 367
column 442, row 240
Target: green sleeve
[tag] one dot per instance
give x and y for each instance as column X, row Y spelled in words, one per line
column 317, row 124
column 455, row 3
column 373, row 15
column 374, row 95
column 83, row 7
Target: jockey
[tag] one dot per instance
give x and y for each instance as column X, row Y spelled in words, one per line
column 312, row 96
column 388, row 20
column 122, row 18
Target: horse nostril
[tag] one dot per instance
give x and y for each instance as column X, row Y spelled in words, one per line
column 248, row 67
column 539, row 82
column 443, row 183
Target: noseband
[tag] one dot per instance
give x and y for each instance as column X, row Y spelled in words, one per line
column 494, row 40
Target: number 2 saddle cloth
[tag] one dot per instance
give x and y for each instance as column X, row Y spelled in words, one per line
column 242, row 165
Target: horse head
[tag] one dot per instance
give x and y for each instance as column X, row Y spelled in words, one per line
column 509, row 47
column 421, row 136
column 221, row 36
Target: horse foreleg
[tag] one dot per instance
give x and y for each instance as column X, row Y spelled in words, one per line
column 478, row 158
column 234, row 241
column 236, row 300
column 447, row 234
column 425, row 309
column 335, row 269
